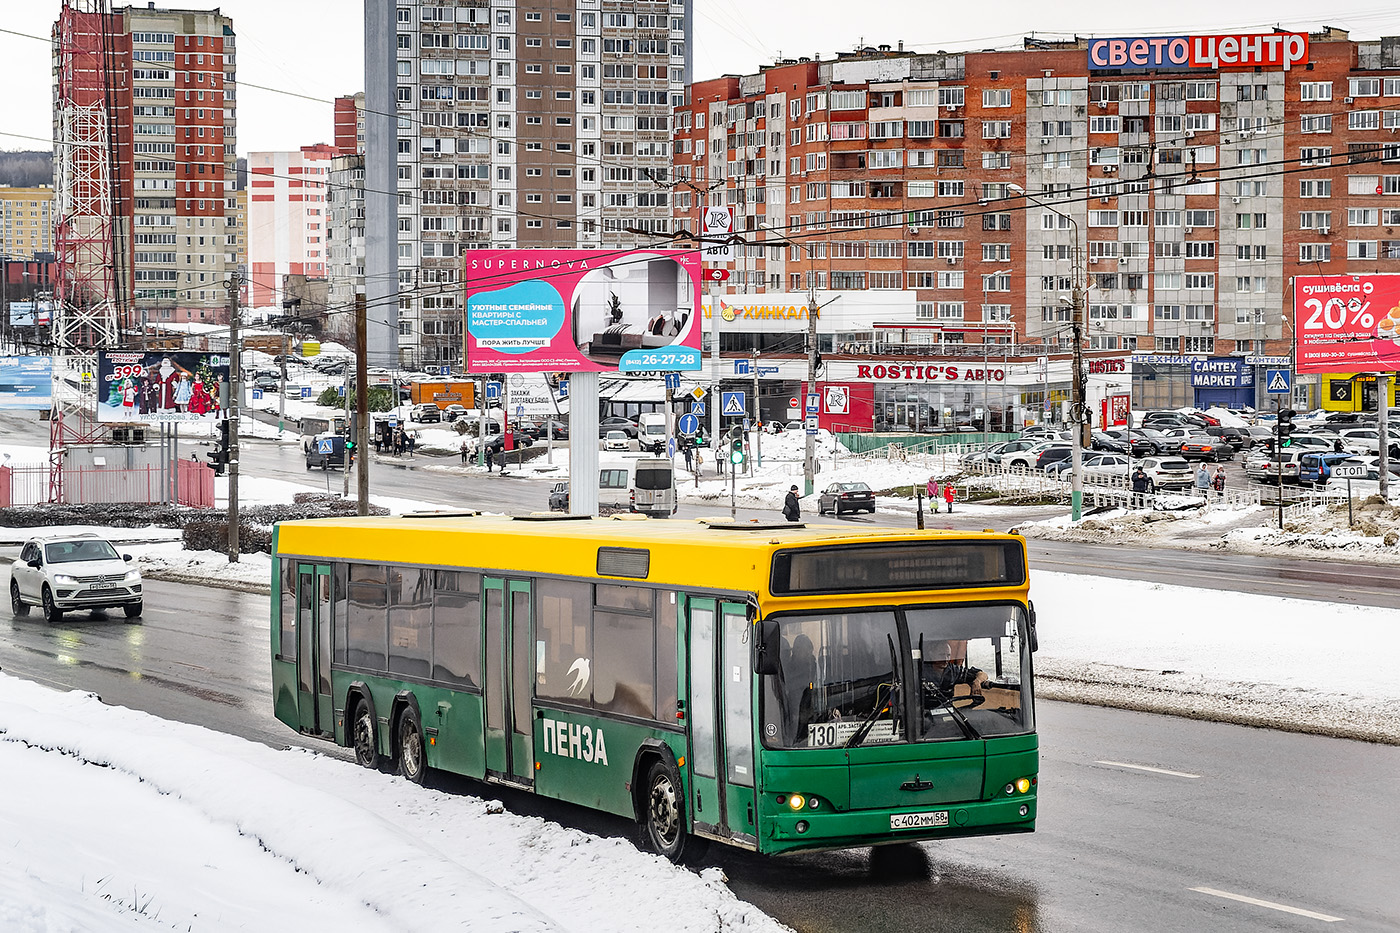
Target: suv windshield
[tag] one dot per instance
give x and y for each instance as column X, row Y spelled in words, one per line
column 845, row 677
column 64, row 552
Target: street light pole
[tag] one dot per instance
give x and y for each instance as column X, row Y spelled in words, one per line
column 1078, row 411
column 986, row 332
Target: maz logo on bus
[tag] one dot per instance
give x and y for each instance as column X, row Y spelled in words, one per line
column 571, row 740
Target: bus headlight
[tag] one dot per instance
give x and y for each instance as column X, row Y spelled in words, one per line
column 797, row 801
column 1023, row 785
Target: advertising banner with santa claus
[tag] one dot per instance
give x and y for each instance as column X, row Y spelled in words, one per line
column 159, row 387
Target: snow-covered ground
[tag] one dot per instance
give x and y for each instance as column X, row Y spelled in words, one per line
column 119, row 821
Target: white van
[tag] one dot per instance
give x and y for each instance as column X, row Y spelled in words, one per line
column 638, row 484
column 651, row 431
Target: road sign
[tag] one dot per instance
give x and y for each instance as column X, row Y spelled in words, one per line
column 493, row 390
column 519, row 410
column 814, row 403
column 563, row 388
column 689, row 425
column 306, row 391
column 325, row 446
column 746, row 424
column 1349, row 470
column 673, row 380
column 698, row 394
column 670, row 446
column 812, row 425
column 717, row 275
column 1277, row 381
column 340, row 390
column 257, row 394
column 697, row 408
column 717, row 222
column 731, row 403
column 792, row 402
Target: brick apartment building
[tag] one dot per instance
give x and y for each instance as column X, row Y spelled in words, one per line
column 1196, row 194
column 174, row 123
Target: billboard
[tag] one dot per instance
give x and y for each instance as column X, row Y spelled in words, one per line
column 160, row 387
column 1241, row 50
column 1347, row 323
column 30, row 313
column 26, row 382
column 578, row 310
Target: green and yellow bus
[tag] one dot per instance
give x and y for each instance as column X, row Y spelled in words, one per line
column 778, row 688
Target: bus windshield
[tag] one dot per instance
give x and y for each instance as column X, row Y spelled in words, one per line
column 844, row 679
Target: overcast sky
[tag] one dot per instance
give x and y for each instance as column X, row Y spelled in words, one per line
column 313, row 47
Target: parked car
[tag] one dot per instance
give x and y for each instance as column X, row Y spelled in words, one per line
column 1313, row 441
column 1101, row 440
column 1171, row 419
column 625, row 425
column 267, row 383
column 72, row 572
column 1103, row 468
column 794, row 426
column 453, row 412
column 538, row 429
column 1373, row 466
column 1315, row 468
column 559, row 497
column 1238, row 438
column 425, row 413
column 1266, row 468
column 981, row 456
column 1205, row 447
column 846, row 497
column 1010, row 448
column 617, row 440
column 1026, row 459
column 1145, row 441
column 1056, row 453
column 1167, row 473
column 496, row 444
column 1043, row 431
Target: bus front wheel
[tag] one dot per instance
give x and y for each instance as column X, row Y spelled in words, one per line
column 366, row 748
column 663, row 813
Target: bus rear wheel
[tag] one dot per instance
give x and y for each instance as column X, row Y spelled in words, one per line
column 362, row 736
column 413, row 762
column 663, row 813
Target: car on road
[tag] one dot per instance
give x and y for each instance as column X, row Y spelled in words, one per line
column 325, row 451
column 64, row 573
column 559, row 497
column 1166, row 473
column 425, row 413
column 617, row 440
column 846, row 497
column 267, row 383
column 625, row 425
column 453, row 412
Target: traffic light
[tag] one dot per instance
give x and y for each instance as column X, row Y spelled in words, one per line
column 1285, row 427
column 736, row 445
column 1269, row 446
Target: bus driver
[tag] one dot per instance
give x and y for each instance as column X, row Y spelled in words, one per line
column 944, row 670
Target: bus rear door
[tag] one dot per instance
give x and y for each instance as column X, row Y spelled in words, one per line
column 313, row 635
column 507, row 677
column 720, row 705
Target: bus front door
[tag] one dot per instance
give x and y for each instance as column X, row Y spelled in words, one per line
column 720, row 701
column 314, row 648
column 508, row 679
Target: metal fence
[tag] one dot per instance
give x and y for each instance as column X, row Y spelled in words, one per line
column 191, row 484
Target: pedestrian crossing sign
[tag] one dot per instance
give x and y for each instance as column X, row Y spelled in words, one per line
column 732, row 403
column 1277, row 381
column 697, row 408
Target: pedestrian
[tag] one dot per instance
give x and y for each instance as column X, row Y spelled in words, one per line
column 464, row 452
column 489, row 458
column 948, row 494
column 1203, row 481
column 1337, row 445
column 931, row 489
column 689, row 456
column 1217, row 482
column 412, row 441
column 1141, row 485
column 792, row 510
column 398, row 442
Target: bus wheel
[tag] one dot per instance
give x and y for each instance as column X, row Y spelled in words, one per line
column 413, row 763
column 366, row 749
column 663, row 812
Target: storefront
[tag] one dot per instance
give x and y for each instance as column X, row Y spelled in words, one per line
column 1164, row 382
column 1353, row 392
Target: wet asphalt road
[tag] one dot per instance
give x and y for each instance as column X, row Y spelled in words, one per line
column 1295, row 821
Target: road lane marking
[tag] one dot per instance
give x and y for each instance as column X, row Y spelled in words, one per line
column 169, row 612
column 1124, row 764
column 1269, row 904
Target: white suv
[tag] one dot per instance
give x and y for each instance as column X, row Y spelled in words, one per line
column 71, row 572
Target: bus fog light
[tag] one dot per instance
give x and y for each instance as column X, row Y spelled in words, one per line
column 802, row 826
column 1023, row 785
column 1025, row 809
column 782, row 799
column 1011, row 788
column 797, row 802
column 813, row 803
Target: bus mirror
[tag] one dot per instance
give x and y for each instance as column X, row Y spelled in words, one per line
column 769, row 644
column 1035, row 640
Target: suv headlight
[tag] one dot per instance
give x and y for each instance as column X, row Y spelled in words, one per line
column 63, row 579
column 132, row 576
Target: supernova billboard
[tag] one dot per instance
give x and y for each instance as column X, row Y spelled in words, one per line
column 155, row 388
column 1170, row 53
column 1347, row 323
column 577, row 310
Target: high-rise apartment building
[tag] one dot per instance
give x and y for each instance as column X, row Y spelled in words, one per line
column 287, row 223
column 1195, row 195
column 540, row 123
column 345, row 243
column 174, row 129
column 26, row 221
column 350, row 124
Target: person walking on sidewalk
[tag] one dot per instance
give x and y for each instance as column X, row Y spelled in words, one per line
column 948, row 495
column 792, row 509
column 1203, row 481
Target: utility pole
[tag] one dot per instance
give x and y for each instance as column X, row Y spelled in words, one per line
column 714, row 374
column 809, row 459
column 757, row 420
column 282, row 397
column 345, row 394
column 235, row 378
column 1383, row 429
column 361, row 403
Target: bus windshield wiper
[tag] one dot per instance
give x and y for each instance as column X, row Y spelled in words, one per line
column 946, row 702
column 859, row 735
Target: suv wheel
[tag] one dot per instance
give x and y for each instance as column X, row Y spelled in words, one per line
column 17, row 604
column 52, row 614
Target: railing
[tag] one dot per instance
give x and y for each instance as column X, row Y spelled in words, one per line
column 28, row 484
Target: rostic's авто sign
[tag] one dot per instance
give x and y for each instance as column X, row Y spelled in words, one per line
column 1255, row 50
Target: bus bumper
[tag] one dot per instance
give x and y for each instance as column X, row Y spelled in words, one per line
column 835, row 829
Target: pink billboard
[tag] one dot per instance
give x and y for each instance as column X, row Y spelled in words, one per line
column 1347, row 323
column 580, row 310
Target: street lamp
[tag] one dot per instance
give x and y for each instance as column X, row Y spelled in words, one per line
column 986, row 331
column 1078, row 412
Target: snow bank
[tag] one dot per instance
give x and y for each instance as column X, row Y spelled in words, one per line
column 182, row 828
